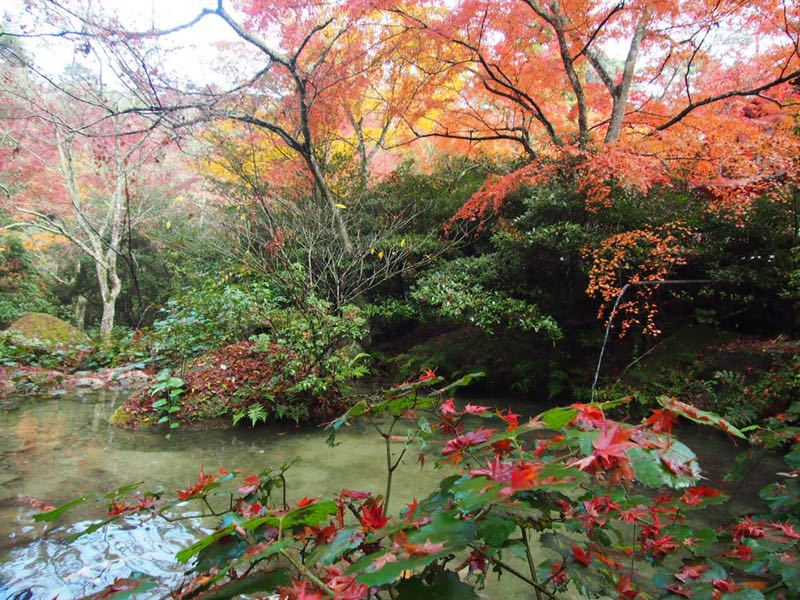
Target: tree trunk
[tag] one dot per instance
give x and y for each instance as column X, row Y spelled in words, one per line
column 322, row 185
column 80, row 312
column 620, row 95
column 110, row 288
column 107, row 320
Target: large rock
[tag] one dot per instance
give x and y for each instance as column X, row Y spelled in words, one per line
column 48, row 329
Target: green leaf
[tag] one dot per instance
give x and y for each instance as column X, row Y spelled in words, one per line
column 125, row 588
column 91, row 528
column 220, row 554
column 344, row 540
column 699, row 416
column 463, row 381
column 445, row 586
column 471, row 493
column 793, row 457
column 258, row 582
column 495, row 530
column 445, row 527
column 424, row 425
column 703, row 538
column 782, row 497
column 559, row 417
column 651, row 469
column 394, row 570
column 52, row 515
column 159, row 403
column 744, row 593
column 184, row 555
column 307, row 516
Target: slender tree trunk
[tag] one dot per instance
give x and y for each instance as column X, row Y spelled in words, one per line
column 80, row 312
column 110, row 287
column 621, row 92
column 322, row 185
column 107, row 320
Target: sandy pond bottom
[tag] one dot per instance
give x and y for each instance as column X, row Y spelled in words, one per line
column 55, row 449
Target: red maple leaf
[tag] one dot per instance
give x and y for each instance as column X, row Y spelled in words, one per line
column 401, row 542
column 252, row 482
column 662, row 420
column 411, row 508
column 372, row 516
column 581, row 556
column 660, row 547
column 741, row 552
column 589, row 415
column 694, row 496
column 502, row 447
column 690, row 572
column 524, row 474
column 724, row 585
column 786, row 529
column 118, row 508
column 203, row 481
column 747, row 528
column 471, row 438
column 427, row 375
column 609, row 454
column 511, row 419
column 447, row 408
column 678, row 590
column 625, row 588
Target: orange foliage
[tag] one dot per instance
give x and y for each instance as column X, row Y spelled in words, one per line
column 633, row 257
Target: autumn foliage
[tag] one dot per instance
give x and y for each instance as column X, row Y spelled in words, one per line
column 566, row 475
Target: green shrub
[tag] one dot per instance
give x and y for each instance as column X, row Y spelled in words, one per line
column 220, row 311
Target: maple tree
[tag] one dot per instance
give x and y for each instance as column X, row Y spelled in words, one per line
column 541, row 75
column 79, row 184
column 622, row 99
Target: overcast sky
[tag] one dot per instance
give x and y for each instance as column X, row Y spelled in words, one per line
column 193, row 50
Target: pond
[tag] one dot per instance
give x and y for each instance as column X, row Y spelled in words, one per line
column 55, row 449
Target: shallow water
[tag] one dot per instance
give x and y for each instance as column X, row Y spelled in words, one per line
column 55, row 449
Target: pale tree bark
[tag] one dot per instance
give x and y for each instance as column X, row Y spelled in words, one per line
column 621, row 91
column 99, row 216
column 104, row 241
column 366, row 155
column 80, row 312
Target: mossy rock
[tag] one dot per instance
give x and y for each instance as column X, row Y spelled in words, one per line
column 125, row 420
column 48, row 329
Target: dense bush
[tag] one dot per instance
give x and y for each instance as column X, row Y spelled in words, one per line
column 22, row 289
column 294, row 370
column 224, row 308
column 745, row 380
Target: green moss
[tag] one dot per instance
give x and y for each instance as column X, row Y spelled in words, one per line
column 48, row 329
column 120, row 417
column 123, row 419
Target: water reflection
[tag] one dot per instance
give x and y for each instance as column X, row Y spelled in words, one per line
column 59, row 448
column 55, row 450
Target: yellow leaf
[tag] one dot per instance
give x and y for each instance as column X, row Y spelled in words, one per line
column 340, row 205
column 168, row 225
column 403, row 242
column 380, row 254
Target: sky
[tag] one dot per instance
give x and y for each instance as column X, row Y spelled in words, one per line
column 193, row 51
